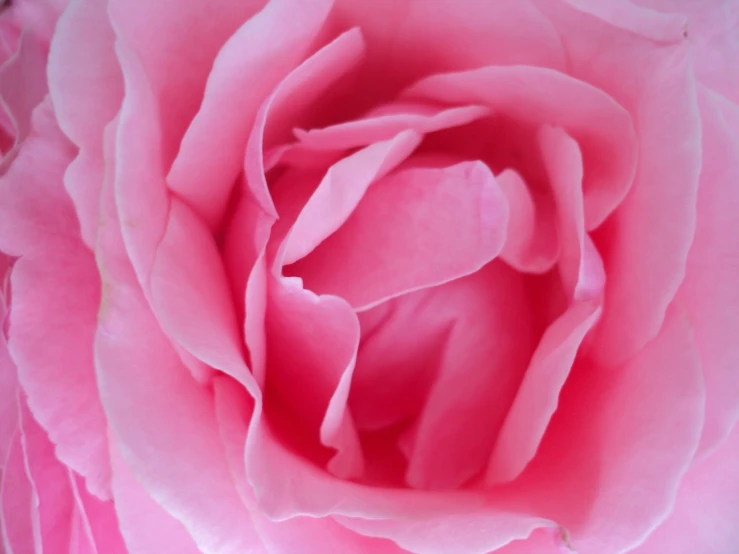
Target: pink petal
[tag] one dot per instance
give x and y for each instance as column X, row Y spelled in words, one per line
column 481, row 366
column 309, row 535
column 22, row 88
column 164, row 421
column 191, row 296
column 669, row 28
column 454, row 35
column 459, row 211
column 298, row 90
column 98, row 521
column 398, row 358
column 709, row 290
column 538, row 395
column 581, row 109
column 628, row 435
column 55, row 301
column 580, row 266
column 243, row 75
column 710, row 30
column 383, row 125
column 86, row 89
column 311, row 345
column 145, row 526
column 177, row 44
column 531, row 242
column 51, row 494
column 645, row 244
column 234, row 408
column 341, row 190
column 482, row 532
column 704, row 517
column 16, row 502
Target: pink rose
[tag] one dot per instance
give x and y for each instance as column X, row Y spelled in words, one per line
column 376, row 277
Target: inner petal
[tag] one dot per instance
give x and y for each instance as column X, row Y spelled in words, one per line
column 416, row 228
column 489, row 346
column 601, row 126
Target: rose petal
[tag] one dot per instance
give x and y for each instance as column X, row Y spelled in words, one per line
column 16, row 501
column 309, row 535
column 384, row 125
column 481, row 366
column 145, row 526
column 615, row 451
column 710, row 28
column 243, row 74
column 86, row 89
column 176, row 50
column 645, row 244
column 454, row 35
column 299, row 89
column 580, row 265
column 703, row 518
column 709, row 290
column 459, row 211
column 98, row 522
column 531, row 244
column 55, row 298
column 163, row 420
column 311, row 344
column 50, row 491
column 581, row 109
column 341, row 190
column 538, row 395
column 22, row 87
column 643, row 21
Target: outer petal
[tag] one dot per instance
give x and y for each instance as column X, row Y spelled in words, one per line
column 704, row 518
column 710, row 27
column 618, row 436
column 243, row 75
column 146, row 527
column 55, row 298
column 709, row 290
column 86, row 89
column 459, row 211
column 645, row 244
column 141, row 376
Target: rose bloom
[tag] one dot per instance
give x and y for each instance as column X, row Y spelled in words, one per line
column 369, row 276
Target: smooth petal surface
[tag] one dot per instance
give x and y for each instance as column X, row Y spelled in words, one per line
column 645, row 244
column 302, row 87
column 177, row 44
column 394, row 240
column 610, row 464
column 86, row 89
column 480, row 367
column 709, row 290
column 17, row 511
column 253, row 61
column 22, row 88
column 145, row 526
column 531, row 243
column 98, row 522
column 311, row 343
column 579, row 108
column 454, row 35
column 51, row 494
column 704, row 517
column 538, row 395
column 155, row 408
column 580, row 266
column 384, row 123
column 55, row 297
column 710, row 27
column 341, row 190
